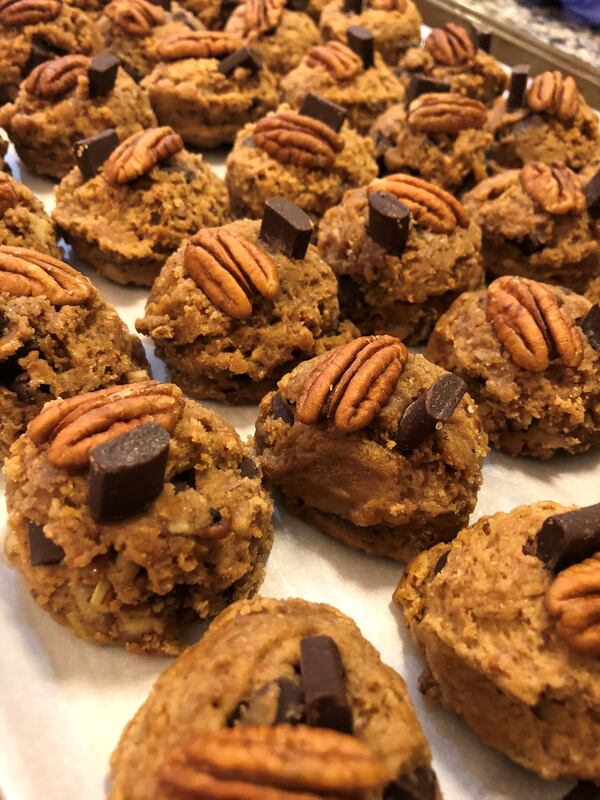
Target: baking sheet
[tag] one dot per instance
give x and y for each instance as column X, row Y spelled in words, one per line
column 64, row 702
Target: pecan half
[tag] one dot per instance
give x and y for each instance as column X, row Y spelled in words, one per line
column 136, row 17
column 341, row 62
column 573, row 598
column 27, row 273
column 138, row 154
column 8, row 196
column 554, row 93
column 529, row 322
column 292, row 138
column 554, row 187
column 56, row 77
column 256, row 762
column 430, row 205
column 18, row 13
column 445, row 113
column 229, row 270
column 77, row 425
column 197, row 44
column 450, row 45
column 352, row 383
column 254, row 17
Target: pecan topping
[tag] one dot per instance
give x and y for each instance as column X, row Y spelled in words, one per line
column 554, row 187
column 285, row 762
column 18, row 13
column 352, row 383
column 229, row 270
column 27, row 273
column 450, row 45
column 292, row 138
column 136, row 17
column 254, row 17
column 554, row 93
column 140, row 153
column 74, row 427
column 574, row 599
column 341, row 62
column 197, row 44
column 8, row 197
column 430, row 206
column 56, row 77
column 445, row 113
column 529, row 322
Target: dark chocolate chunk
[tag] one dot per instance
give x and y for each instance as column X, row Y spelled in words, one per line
column 482, row 39
column 290, row 704
column 297, row 5
column 127, row 472
column 528, row 245
column 91, row 153
column 42, row 550
column 590, row 325
column 248, row 467
column 389, row 222
column 584, row 790
column 184, row 480
column 441, row 563
column 281, row 409
column 592, row 196
column 566, row 539
column 102, row 74
column 286, row 227
column 244, row 57
column 353, row 6
column 421, row 84
column 362, row 41
column 517, row 88
column 166, row 4
column 421, row 785
column 318, row 108
column 433, row 407
column 324, row 686
column 38, row 54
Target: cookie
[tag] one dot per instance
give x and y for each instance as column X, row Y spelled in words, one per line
column 68, row 99
column 23, row 221
column 3, row 148
column 530, row 360
column 374, row 446
column 133, row 510
column 306, row 701
column 400, row 282
column 147, row 197
column 485, row 607
column 57, row 337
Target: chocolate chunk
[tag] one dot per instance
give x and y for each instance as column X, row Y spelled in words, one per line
column 290, row 704
column 184, row 480
column 566, row 539
column 421, row 84
column 584, row 790
column 318, row 108
column 362, row 41
column 286, row 227
column 433, row 407
column 518, row 85
column 297, row 5
column 166, row 4
column 592, row 196
column 127, row 472
column 91, row 153
column 244, row 58
column 441, row 563
column 102, row 74
column 42, row 550
column 482, row 39
column 324, row 686
column 281, row 409
column 389, row 222
column 421, row 785
column 248, row 467
column 590, row 325
column 353, row 6
column 38, row 54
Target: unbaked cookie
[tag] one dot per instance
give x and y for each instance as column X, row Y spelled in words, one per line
column 510, row 637
column 375, row 447
column 23, row 221
column 133, row 510
column 303, row 699
column 530, row 355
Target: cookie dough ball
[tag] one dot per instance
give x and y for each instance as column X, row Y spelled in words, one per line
column 23, row 221
column 375, row 447
column 532, row 370
column 480, row 610
column 187, row 533
column 191, row 94
column 54, row 109
column 396, row 24
column 36, row 30
column 313, row 169
column 440, row 137
column 271, row 652
column 57, row 338
column 277, row 34
column 449, row 55
column 336, row 73
column 148, row 196
column 401, row 291
column 553, row 123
